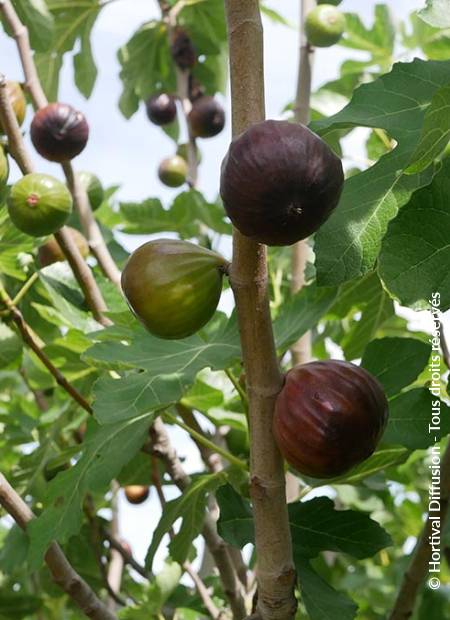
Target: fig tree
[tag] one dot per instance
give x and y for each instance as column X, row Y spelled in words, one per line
column 136, row 493
column 93, row 187
column 51, row 251
column 59, row 132
column 206, row 118
column 329, row 416
column 173, row 287
column 173, row 171
column 39, row 204
column 280, row 182
column 161, row 109
column 324, row 25
column 18, row 102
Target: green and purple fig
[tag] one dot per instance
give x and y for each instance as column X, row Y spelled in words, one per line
column 173, row 171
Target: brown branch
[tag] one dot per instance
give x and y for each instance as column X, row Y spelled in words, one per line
column 249, row 281
column 62, row 572
column 301, row 350
column 89, row 225
column 29, row 339
column 417, row 570
column 116, row 562
column 163, row 448
column 79, row 267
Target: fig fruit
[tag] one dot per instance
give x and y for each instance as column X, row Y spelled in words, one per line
column 93, row 187
column 39, row 204
column 329, row 416
column 173, row 287
column 161, row 109
column 136, row 493
column 4, row 169
column 182, row 49
column 18, row 102
column 51, row 251
column 324, row 25
column 59, row 132
column 173, row 171
column 333, row 2
column 206, row 118
column 280, row 182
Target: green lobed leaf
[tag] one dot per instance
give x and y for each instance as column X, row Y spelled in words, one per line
column 83, row 62
column 415, row 255
column 434, row 42
column 13, row 246
column 436, row 13
column 190, row 507
column 435, row 132
column 105, row 451
column 377, row 40
column 10, row 345
column 410, row 415
column 349, row 242
column 322, row 602
column 396, row 362
column 235, row 523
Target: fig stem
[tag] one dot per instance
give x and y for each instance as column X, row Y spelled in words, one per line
column 238, row 388
column 170, row 417
column 25, row 288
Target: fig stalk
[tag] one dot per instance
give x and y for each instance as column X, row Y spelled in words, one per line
column 248, row 276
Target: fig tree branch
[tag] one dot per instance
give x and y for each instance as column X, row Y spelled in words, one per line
column 116, row 563
column 301, row 350
column 33, row 85
column 249, row 281
column 79, row 267
column 30, row 340
column 163, row 448
column 62, row 572
column 417, row 570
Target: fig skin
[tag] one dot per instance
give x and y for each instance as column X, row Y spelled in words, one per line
column 93, row 187
column 173, row 287
column 173, row 171
column 280, row 182
column 182, row 49
column 51, row 251
column 324, row 25
column 39, row 204
column 18, row 102
column 4, row 169
column 329, row 416
column 161, row 109
column 207, row 118
column 59, row 132
column 136, row 493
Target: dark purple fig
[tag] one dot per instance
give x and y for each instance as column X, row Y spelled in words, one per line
column 18, row 102
column 182, row 49
column 280, row 182
column 207, row 118
column 136, row 493
column 59, row 132
column 329, row 416
column 161, row 109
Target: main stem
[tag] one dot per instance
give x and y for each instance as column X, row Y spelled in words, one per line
column 249, row 281
column 301, row 350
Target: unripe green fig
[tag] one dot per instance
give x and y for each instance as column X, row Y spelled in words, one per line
column 238, row 442
column 333, row 2
column 324, row 25
column 51, row 251
column 4, row 169
column 173, row 171
column 173, row 287
column 93, row 187
column 18, row 102
column 39, row 204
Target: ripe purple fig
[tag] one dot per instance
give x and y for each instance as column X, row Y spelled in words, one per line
column 59, row 132
column 161, row 109
column 207, row 118
column 329, row 416
column 183, row 51
column 280, row 182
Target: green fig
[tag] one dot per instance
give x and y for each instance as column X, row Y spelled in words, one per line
column 173, row 287
column 324, row 25
column 93, row 187
column 4, row 169
column 39, row 204
column 18, row 102
column 173, row 171
column 333, row 2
